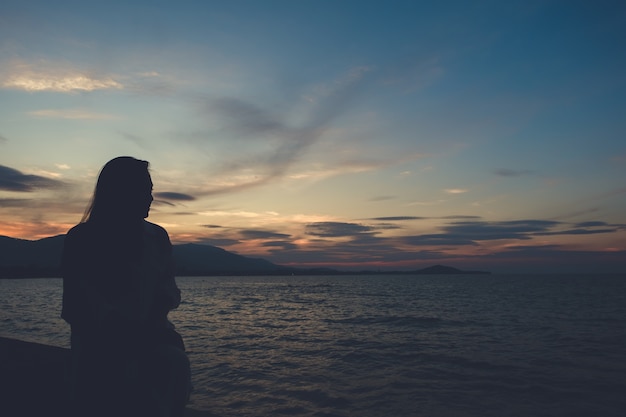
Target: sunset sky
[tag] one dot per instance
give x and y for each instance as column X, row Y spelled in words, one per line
column 348, row 134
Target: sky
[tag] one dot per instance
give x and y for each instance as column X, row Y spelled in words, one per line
column 379, row 135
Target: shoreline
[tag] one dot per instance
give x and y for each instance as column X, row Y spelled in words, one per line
column 34, row 379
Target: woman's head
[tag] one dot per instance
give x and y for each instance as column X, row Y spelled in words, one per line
column 123, row 191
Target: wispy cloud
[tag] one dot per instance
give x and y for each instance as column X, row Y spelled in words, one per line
column 72, row 114
column 455, row 190
column 321, row 171
column 274, row 142
column 3, row 139
column 54, row 77
column 244, row 118
column 382, row 198
column 137, row 140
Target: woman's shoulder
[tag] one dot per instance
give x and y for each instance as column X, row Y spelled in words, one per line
column 78, row 231
column 155, row 229
column 158, row 235
column 79, row 237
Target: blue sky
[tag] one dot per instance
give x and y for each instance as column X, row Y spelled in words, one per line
column 350, row 134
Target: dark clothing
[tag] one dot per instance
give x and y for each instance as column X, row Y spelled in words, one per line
column 118, row 287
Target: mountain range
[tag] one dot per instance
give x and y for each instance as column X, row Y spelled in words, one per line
column 21, row 258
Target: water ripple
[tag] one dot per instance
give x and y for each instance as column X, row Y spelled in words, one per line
column 396, row 346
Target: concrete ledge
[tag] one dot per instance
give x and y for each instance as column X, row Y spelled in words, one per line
column 34, row 379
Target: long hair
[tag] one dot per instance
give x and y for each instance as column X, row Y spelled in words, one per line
column 119, row 182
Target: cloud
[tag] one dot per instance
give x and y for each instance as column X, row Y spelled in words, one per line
column 505, row 172
column 364, row 251
column 13, row 180
column 334, row 98
column 382, row 198
column 15, row 202
column 323, row 171
column 514, row 229
column 262, row 234
column 274, row 144
column 576, row 232
column 455, row 190
column 245, row 118
column 352, row 245
column 521, row 229
column 171, row 195
column 149, row 74
column 279, row 244
column 336, row 229
column 218, row 241
column 143, row 143
column 437, row 240
column 162, row 203
column 582, row 212
column 398, row 218
column 3, row 139
column 53, row 76
column 592, row 224
column 427, row 203
column 229, row 237
column 72, row 114
column 387, row 226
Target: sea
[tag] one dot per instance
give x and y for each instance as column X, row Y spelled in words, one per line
column 384, row 345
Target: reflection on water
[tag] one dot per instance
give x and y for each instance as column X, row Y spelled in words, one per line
column 385, row 345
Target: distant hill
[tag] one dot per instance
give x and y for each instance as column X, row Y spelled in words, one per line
column 42, row 258
column 21, row 258
column 193, row 259
column 30, row 258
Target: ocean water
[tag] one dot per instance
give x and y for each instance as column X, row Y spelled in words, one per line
column 474, row 345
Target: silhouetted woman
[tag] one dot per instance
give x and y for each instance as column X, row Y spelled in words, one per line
column 118, row 287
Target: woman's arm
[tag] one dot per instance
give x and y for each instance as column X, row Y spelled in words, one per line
column 167, row 292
